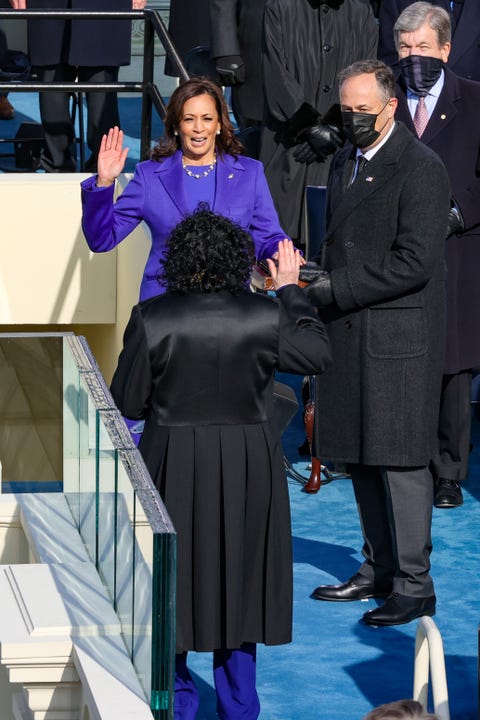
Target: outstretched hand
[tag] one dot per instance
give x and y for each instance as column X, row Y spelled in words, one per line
column 111, row 157
column 288, row 268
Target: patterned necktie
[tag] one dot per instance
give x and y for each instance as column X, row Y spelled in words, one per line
column 420, row 119
column 360, row 164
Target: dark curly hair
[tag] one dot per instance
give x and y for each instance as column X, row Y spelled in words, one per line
column 207, row 253
column 226, row 142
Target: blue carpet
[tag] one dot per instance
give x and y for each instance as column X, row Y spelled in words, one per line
column 336, row 668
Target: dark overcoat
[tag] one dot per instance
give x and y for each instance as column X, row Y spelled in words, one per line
column 378, row 403
column 305, row 45
column 199, row 368
column 464, row 57
column 453, row 132
column 87, row 43
column 236, row 29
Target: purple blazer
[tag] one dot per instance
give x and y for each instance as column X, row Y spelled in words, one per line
column 155, row 194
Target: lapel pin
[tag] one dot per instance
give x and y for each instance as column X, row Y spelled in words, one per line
column 443, row 117
column 230, row 176
column 369, row 179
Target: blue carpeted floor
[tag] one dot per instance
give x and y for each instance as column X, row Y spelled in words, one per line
column 336, row 668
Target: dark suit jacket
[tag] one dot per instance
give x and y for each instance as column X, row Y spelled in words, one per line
column 384, row 250
column 92, row 43
column 464, row 57
column 453, row 132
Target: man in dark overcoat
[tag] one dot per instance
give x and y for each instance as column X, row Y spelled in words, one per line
column 64, row 50
column 422, row 35
column 236, row 46
column 464, row 59
column 382, row 297
column 306, row 42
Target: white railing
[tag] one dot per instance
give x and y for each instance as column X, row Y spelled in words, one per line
column 430, row 663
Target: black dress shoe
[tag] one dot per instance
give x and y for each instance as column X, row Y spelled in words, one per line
column 447, row 493
column 400, row 609
column 357, row 588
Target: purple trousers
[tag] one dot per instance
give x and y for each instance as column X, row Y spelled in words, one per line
column 234, row 673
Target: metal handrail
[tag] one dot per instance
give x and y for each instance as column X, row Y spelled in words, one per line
column 151, row 97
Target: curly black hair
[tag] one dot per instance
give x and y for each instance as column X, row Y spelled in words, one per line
column 207, row 253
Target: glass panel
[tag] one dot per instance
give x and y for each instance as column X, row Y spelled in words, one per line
column 125, row 555
column 72, row 421
column 31, row 403
column 58, row 423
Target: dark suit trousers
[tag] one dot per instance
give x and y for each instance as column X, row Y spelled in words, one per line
column 56, row 117
column 395, row 509
column 454, row 427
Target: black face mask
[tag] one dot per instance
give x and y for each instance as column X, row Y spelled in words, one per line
column 420, row 72
column 359, row 127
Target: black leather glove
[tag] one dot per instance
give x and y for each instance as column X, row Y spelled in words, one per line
column 231, row 69
column 303, row 153
column 323, row 139
column 310, row 271
column 319, row 292
column 455, row 221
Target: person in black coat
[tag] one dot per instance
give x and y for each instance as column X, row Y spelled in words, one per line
column 464, row 58
column 236, row 46
column 189, row 29
column 306, row 42
column 87, row 50
column 382, row 298
column 422, row 35
column 198, row 364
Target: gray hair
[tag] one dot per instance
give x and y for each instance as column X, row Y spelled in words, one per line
column 383, row 75
column 419, row 13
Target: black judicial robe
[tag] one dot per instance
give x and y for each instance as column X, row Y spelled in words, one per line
column 199, row 368
column 305, row 45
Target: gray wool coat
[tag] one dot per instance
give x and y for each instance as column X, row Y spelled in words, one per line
column 378, row 403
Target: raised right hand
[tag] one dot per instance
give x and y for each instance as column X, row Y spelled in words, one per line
column 289, row 260
column 111, row 157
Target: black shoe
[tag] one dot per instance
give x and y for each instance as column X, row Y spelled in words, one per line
column 447, row 493
column 357, row 588
column 400, row 609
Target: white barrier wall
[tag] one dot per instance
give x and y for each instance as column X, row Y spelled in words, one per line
column 49, row 279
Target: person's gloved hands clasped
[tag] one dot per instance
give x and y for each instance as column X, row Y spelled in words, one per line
column 231, row 69
column 319, row 291
column 304, row 153
column 323, row 139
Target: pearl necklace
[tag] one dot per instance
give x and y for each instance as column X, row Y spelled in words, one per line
column 199, row 176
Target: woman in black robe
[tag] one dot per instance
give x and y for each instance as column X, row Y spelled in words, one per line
column 198, row 365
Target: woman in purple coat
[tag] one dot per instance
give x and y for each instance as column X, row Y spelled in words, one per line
column 199, row 161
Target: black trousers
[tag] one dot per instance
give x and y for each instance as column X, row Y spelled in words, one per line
column 102, row 109
column 454, row 427
column 395, row 509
